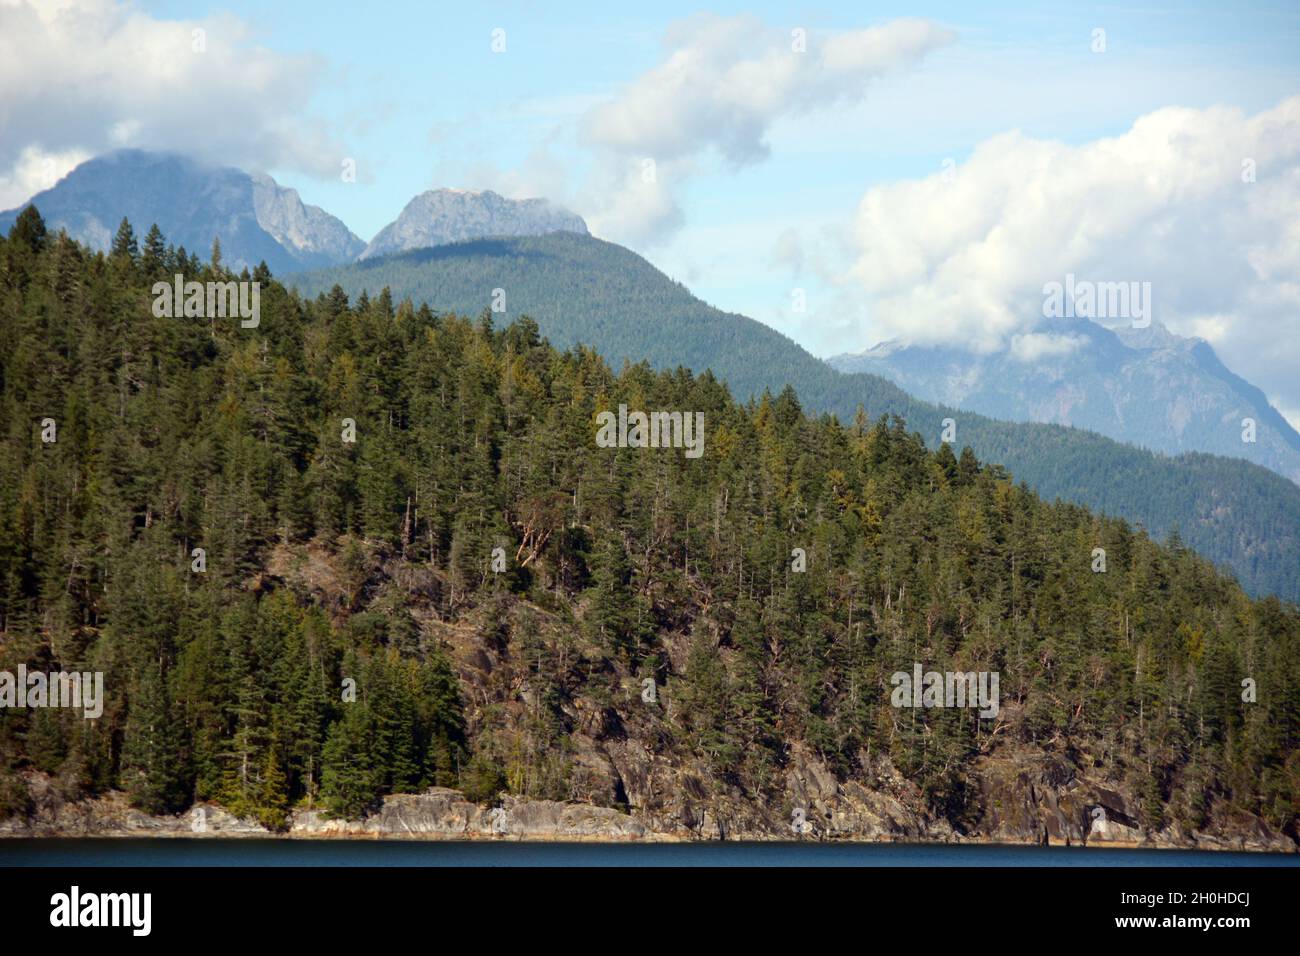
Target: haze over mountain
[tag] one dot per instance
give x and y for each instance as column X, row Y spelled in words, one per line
column 1145, row 386
column 440, row 216
column 584, row 290
column 192, row 202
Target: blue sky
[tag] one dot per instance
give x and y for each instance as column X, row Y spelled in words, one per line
column 414, row 93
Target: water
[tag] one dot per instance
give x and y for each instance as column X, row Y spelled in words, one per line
column 280, row 852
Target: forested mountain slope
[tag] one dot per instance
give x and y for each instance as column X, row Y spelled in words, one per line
column 372, row 561
column 583, row 290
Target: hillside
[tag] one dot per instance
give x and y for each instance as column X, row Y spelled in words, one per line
column 584, row 290
column 642, row 640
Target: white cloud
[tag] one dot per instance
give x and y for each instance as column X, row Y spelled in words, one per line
column 35, row 170
column 1032, row 346
column 80, row 77
column 964, row 262
column 629, row 200
column 722, row 84
column 726, row 79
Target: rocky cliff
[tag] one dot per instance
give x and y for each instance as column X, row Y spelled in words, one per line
column 440, row 216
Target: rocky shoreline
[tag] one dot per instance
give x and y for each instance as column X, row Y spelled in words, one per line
column 854, row 814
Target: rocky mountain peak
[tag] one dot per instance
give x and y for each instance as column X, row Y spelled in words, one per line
column 440, row 216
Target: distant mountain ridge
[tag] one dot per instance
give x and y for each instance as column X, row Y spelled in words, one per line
column 192, row 202
column 440, row 216
column 584, row 290
column 1148, row 387
column 258, row 220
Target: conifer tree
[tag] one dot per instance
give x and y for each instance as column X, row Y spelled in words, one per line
column 124, row 244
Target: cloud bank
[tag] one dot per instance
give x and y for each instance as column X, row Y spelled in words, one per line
column 723, row 83
column 1203, row 204
column 81, row 77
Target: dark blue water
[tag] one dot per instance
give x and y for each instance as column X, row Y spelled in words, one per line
column 271, row 852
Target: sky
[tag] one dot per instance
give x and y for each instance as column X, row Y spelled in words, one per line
column 845, row 173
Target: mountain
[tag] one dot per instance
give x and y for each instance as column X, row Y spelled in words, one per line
column 583, row 290
column 191, row 202
column 1146, row 386
column 312, row 236
column 440, row 216
column 476, row 594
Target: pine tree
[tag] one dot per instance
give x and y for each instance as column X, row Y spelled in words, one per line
column 29, row 230
column 124, row 244
column 149, row 771
column 351, row 784
column 154, row 259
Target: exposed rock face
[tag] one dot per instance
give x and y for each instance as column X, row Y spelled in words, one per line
column 440, row 216
column 1042, row 798
column 192, row 203
column 112, row 815
column 445, row 814
column 308, row 232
